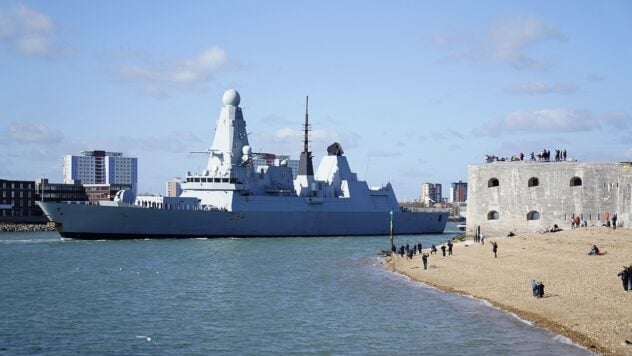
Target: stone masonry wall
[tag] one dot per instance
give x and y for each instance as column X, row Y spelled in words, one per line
column 605, row 187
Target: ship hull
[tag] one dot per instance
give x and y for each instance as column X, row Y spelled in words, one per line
column 82, row 221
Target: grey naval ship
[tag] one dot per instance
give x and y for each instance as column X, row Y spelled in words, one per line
column 231, row 197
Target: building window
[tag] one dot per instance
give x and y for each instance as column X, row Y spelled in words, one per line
column 534, row 182
column 493, row 215
column 533, row 215
column 493, row 182
column 576, row 181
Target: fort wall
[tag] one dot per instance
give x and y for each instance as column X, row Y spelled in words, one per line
column 527, row 196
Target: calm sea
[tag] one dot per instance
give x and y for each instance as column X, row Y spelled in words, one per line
column 239, row 296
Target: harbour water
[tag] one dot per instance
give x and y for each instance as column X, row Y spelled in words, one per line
column 239, row 296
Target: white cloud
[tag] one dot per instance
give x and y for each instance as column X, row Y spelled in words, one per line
column 506, row 42
column 289, row 141
column 28, row 32
column 547, row 120
column 30, row 132
column 537, row 88
column 553, row 121
column 183, row 75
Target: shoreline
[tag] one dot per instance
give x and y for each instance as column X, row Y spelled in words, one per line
column 15, row 227
column 584, row 300
column 533, row 319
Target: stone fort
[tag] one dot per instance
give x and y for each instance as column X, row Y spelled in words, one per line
column 530, row 196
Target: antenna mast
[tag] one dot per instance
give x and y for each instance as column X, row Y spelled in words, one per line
column 306, row 128
column 305, row 166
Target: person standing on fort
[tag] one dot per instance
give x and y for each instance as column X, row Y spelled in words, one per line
column 424, row 258
column 449, row 248
column 494, row 248
column 443, row 250
column 614, row 221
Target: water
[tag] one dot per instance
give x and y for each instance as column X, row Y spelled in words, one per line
column 239, row 296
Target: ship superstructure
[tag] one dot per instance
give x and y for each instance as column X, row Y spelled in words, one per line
column 232, row 197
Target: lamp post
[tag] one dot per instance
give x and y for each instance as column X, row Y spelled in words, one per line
column 392, row 245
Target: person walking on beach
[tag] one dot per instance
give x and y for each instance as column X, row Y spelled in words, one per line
column 443, row 250
column 494, row 248
column 449, row 248
column 424, row 258
column 614, row 221
column 433, row 250
column 540, row 289
column 482, row 238
column 534, row 287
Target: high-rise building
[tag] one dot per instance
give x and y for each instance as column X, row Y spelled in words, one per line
column 458, row 192
column 174, row 189
column 101, row 167
column 431, row 193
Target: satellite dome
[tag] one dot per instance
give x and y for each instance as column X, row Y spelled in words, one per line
column 231, row 97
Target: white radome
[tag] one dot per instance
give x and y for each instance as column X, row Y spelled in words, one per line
column 231, row 97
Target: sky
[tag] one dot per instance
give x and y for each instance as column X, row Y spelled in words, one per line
column 414, row 91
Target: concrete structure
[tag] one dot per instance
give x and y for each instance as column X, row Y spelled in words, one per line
column 173, row 188
column 101, row 167
column 527, row 196
column 431, row 193
column 458, row 192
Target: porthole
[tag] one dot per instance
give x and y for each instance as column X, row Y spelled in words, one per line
column 533, row 182
column 493, row 215
column 493, row 182
column 576, row 181
column 533, row 215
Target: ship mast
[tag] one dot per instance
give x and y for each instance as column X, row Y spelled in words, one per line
column 305, row 166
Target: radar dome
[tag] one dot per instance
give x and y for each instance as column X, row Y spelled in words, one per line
column 231, row 97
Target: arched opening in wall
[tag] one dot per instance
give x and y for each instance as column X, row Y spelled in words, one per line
column 533, row 182
column 576, row 182
column 533, row 215
column 493, row 215
column 493, row 182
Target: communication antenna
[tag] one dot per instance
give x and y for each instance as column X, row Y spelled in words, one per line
column 305, row 166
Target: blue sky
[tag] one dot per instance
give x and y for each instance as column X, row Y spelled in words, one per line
column 413, row 90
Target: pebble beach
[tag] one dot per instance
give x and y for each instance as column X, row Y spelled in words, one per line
column 584, row 299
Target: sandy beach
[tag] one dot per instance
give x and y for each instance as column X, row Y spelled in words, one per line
column 584, row 298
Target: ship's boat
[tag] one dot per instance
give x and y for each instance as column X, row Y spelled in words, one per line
column 233, row 197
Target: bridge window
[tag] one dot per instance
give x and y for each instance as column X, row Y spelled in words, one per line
column 576, row 181
column 533, row 215
column 493, row 215
column 493, row 182
column 533, row 182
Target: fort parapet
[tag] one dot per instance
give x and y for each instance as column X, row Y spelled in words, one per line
column 527, row 196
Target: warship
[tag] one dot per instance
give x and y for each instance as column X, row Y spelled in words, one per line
column 232, row 197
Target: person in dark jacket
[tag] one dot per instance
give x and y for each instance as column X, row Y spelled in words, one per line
column 433, row 250
column 443, row 250
column 424, row 258
column 449, row 248
column 614, row 221
column 540, row 289
column 494, row 248
column 625, row 276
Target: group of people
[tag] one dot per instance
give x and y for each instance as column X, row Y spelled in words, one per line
column 626, row 278
column 577, row 222
column 537, row 288
column 407, row 250
column 544, row 155
column 410, row 252
column 478, row 236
